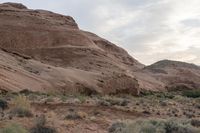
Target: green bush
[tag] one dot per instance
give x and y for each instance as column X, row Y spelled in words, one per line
column 13, row 128
column 191, row 93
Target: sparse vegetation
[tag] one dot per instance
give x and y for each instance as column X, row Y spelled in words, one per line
column 164, row 95
column 195, row 123
column 81, row 97
column 74, row 115
column 56, row 77
column 21, row 107
column 152, row 105
column 49, row 99
column 13, row 128
column 153, row 126
column 40, row 126
column 3, row 104
column 191, row 93
column 119, row 102
column 117, row 127
column 112, row 101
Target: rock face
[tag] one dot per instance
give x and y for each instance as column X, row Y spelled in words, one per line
column 44, row 51
column 58, row 55
column 169, row 75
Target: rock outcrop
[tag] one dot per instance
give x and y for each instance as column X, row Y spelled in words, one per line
column 44, row 51
column 169, row 75
column 60, row 55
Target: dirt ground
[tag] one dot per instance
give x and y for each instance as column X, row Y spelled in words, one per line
column 95, row 114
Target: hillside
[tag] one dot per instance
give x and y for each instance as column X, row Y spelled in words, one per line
column 57, row 78
column 170, row 75
column 44, row 51
column 61, row 56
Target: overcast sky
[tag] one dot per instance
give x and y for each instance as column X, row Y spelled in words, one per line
column 150, row 30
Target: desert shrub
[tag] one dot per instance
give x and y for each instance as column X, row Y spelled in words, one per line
column 73, row 116
column 63, row 98
column 49, row 99
column 167, row 95
column 174, row 127
column 195, row 123
column 163, row 95
column 112, row 101
column 117, row 127
column 146, row 93
column 13, row 128
column 33, row 97
column 81, row 97
column 25, row 92
column 153, row 126
column 163, row 103
column 40, row 126
column 43, row 130
column 118, row 102
column 21, row 107
column 191, row 93
column 133, row 127
column 104, row 103
column 3, row 104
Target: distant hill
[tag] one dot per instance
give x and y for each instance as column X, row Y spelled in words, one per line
column 170, row 75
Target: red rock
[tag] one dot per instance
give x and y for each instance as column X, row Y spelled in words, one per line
column 47, row 52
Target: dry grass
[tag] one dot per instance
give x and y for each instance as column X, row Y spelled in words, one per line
column 13, row 128
column 153, row 126
column 21, row 106
column 40, row 126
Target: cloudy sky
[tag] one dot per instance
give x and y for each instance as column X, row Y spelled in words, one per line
column 150, row 30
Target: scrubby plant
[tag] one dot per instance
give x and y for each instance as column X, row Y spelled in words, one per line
column 174, row 127
column 118, row 102
column 146, row 93
column 3, row 104
column 63, row 98
column 13, row 128
column 81, row 97
column 73, row 116
column 195, row 123
column 21, row 107
column 49, row 99
column 191, row 93
column 117, row 127
column 40, row 126
column 166, row 95
column 153, row 126
column 110, row 100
